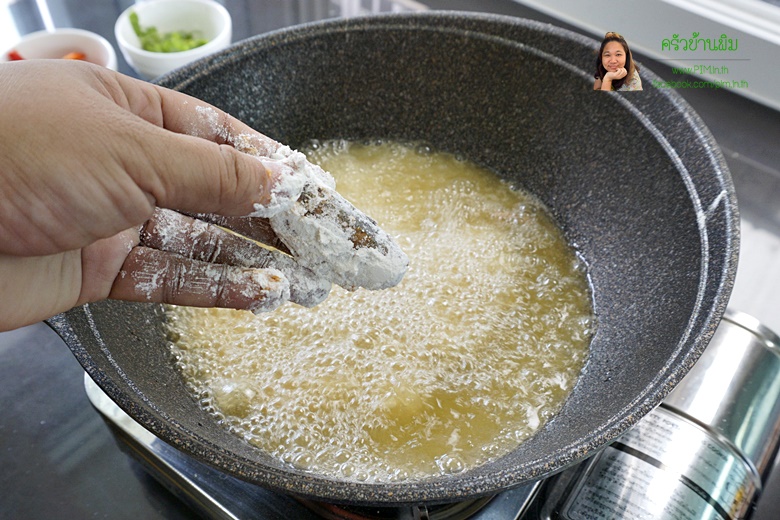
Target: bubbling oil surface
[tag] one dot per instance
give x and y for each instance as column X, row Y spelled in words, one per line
column 476, row 349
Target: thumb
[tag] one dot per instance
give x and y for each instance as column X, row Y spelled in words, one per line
column 188, row 161
column 193, row 174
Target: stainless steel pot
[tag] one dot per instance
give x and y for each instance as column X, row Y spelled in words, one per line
column 635, row 180
column 705, row 453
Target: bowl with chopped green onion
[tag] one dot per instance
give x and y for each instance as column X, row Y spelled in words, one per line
column 158, row 36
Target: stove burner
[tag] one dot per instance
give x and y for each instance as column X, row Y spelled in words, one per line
column 721, row 455
column 216, row 495
column 456, row 511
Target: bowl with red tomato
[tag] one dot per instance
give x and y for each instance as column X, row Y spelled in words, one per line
column 69, row 44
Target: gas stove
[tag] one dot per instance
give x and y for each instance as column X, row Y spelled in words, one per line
column 705, row 452
column 216, row 495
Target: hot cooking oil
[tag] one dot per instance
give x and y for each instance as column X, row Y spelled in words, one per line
column 471, row 354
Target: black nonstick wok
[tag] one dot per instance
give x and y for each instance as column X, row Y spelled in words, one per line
column 635, row 180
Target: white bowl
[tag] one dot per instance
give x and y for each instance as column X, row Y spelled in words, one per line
column 210, row 19
column 59, row 42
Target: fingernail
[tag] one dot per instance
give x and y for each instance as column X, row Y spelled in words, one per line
column 282, row 188
column 267, row 289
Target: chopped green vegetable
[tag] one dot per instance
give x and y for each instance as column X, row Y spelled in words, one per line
column 152, row 40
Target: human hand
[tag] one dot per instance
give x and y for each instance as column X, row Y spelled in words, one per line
column 86, row 157
column 616, row 74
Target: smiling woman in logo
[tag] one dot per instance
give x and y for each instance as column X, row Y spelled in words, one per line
column 615, row 67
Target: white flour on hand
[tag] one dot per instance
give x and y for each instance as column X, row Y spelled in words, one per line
column 324, row 232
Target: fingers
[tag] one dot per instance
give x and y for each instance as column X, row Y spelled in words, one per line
column 328, row 235
column 187, row 158
column 194, row 239
column 100, row 263
column 617, row 74
column 258, row 229
column 190, row 174
column 183, row 114
column 150, row 275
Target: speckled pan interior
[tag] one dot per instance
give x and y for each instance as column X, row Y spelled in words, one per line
column 635, row 180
